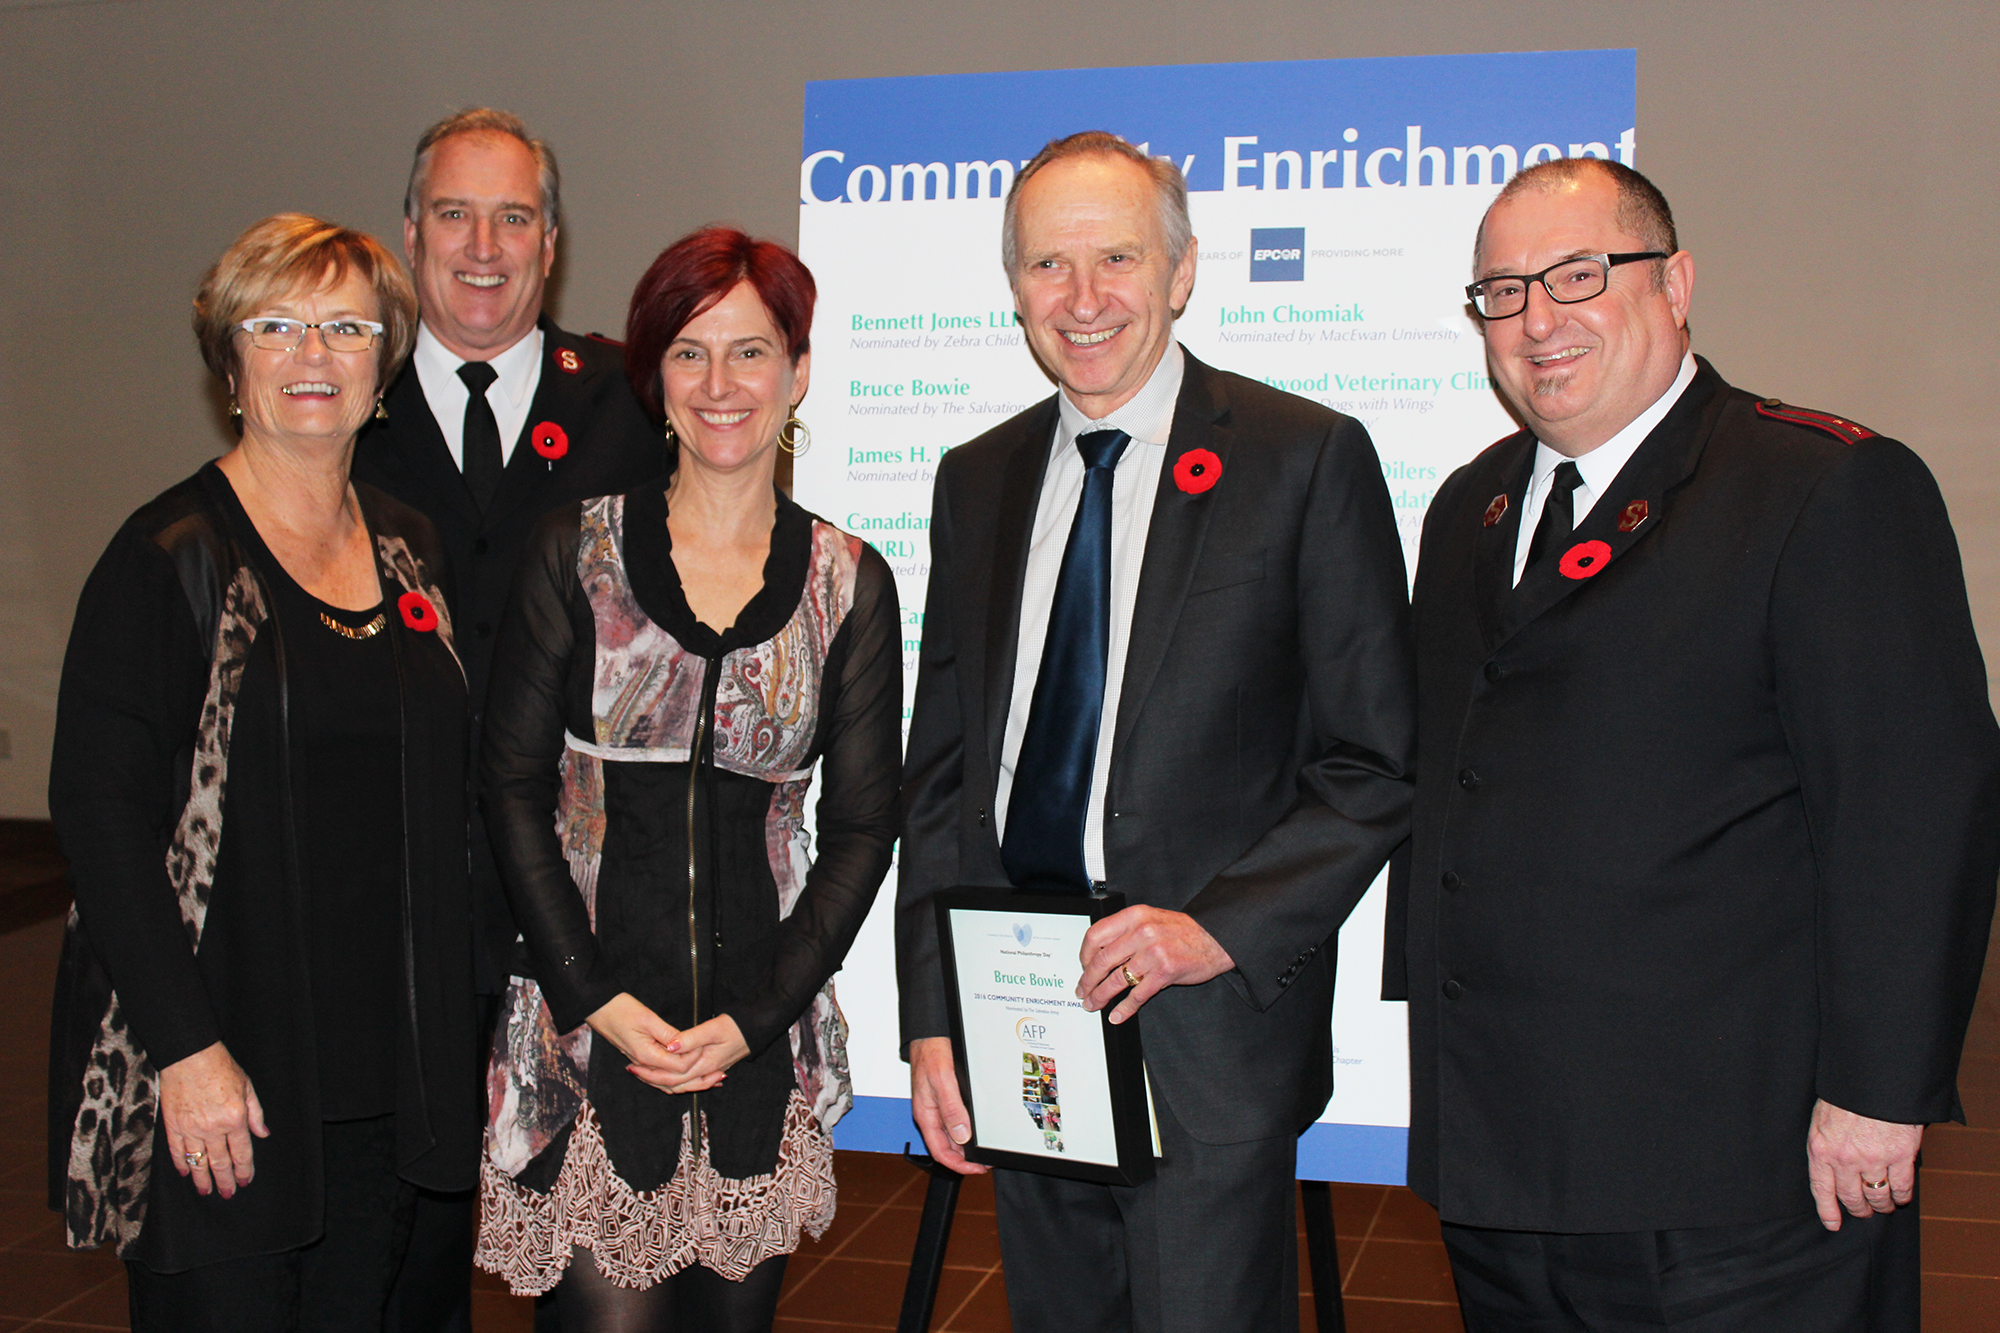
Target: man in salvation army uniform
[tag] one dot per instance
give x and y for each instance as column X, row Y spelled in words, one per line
column 1165, row 650
column 498, row 417
column 1707, row 822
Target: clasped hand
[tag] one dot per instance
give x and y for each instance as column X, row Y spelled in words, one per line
column 665, row 1057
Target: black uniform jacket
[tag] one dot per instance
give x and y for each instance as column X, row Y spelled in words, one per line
column 1261, row 755
column 1707, row 827
column 604, row 445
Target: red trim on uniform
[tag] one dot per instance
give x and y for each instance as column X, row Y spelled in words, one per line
column 1838, row 427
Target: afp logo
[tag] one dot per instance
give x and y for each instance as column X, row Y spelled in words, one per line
column 1277, row 254
column 1033, row 1033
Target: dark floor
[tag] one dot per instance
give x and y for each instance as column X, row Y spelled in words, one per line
column 1393, row 1272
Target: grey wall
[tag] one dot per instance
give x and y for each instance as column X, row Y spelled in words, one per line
column 1831, row 166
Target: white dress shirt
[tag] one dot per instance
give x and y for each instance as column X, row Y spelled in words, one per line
column 517, row 371
column 1599, row 468
column 1148, row 419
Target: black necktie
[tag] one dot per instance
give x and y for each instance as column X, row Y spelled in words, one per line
column 1558, row 519
column 481, row 441
column 1043, row 847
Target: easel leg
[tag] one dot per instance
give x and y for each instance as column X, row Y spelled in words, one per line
column 933, row 1235
column 1323, row 1256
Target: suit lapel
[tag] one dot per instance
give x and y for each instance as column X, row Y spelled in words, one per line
column 1014, row 524
column 1174, row 540
column 1630, row 511
column 419, row 449
column 555, row 392
column 1495, row 542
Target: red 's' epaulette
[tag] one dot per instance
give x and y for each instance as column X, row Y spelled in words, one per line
column 608, row 342
column 1838, row 427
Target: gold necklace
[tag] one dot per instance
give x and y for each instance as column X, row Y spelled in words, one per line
column 367, row 631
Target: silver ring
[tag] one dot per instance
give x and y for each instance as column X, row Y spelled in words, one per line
column 1130, row 980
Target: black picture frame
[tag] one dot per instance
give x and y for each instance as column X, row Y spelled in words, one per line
column 1124, row 1060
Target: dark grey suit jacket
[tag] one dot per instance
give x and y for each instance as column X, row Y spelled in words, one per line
column 1260, row 768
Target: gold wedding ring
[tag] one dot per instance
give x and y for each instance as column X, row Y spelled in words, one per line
column 1881, row 1184
column 1130, row 980
column 194, row 1158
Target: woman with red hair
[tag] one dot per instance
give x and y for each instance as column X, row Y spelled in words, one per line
column 674, row 663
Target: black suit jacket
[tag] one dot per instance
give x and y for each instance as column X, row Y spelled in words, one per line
column 1260, row 758
column 611, row 448
column 1702, row 834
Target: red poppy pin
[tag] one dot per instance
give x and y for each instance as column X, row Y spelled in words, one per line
column 550, row 440
column 1494, row 511
column 1584, row 559
column 570, row 362
column 1197, row 470
column 1633, row 515
column 418, row 613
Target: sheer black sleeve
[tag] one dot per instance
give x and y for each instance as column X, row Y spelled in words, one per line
column 860, row 765
column 546, row 639
column 133, row 680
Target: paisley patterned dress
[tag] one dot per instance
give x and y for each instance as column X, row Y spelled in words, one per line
column 647, row 777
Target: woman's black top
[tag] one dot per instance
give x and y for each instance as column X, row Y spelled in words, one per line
column 351, row 833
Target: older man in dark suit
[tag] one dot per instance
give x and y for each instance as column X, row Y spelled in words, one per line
column 1164, row 651
column 1708, row 816
column 498, row 417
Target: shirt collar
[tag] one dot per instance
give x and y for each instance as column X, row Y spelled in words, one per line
column 1148, row 418
column 514, row 369
column 1600, row 467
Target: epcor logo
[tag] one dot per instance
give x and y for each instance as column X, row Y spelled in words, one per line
column 1277, row 254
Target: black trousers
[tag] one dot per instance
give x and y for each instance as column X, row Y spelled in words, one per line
column 338, row 1284
column 1209, row 1245
column 1785, row 1276
column 433, row 1291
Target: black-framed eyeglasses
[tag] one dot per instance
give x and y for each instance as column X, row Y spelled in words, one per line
column 1506, row 294
column 283, row 335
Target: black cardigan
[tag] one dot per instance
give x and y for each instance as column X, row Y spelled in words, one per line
column 175, row 758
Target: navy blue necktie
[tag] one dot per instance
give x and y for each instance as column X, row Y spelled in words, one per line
column 1043, row 847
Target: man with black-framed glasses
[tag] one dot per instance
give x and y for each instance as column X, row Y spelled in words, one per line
column 1707, row 822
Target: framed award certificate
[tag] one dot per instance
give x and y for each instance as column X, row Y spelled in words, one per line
column 1050, row 1086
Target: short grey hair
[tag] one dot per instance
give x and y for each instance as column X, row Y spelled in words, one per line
column 486, row 120
column 1642, row 210
column 1169, row 188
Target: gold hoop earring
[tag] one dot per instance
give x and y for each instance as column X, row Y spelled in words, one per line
column 381, row 412
column 794, row 437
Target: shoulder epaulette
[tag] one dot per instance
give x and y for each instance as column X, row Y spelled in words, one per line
column 608, row 342
column 1513, row 435
column 1838, row 427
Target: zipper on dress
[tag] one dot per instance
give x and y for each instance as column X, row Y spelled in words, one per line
column 694, row 945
